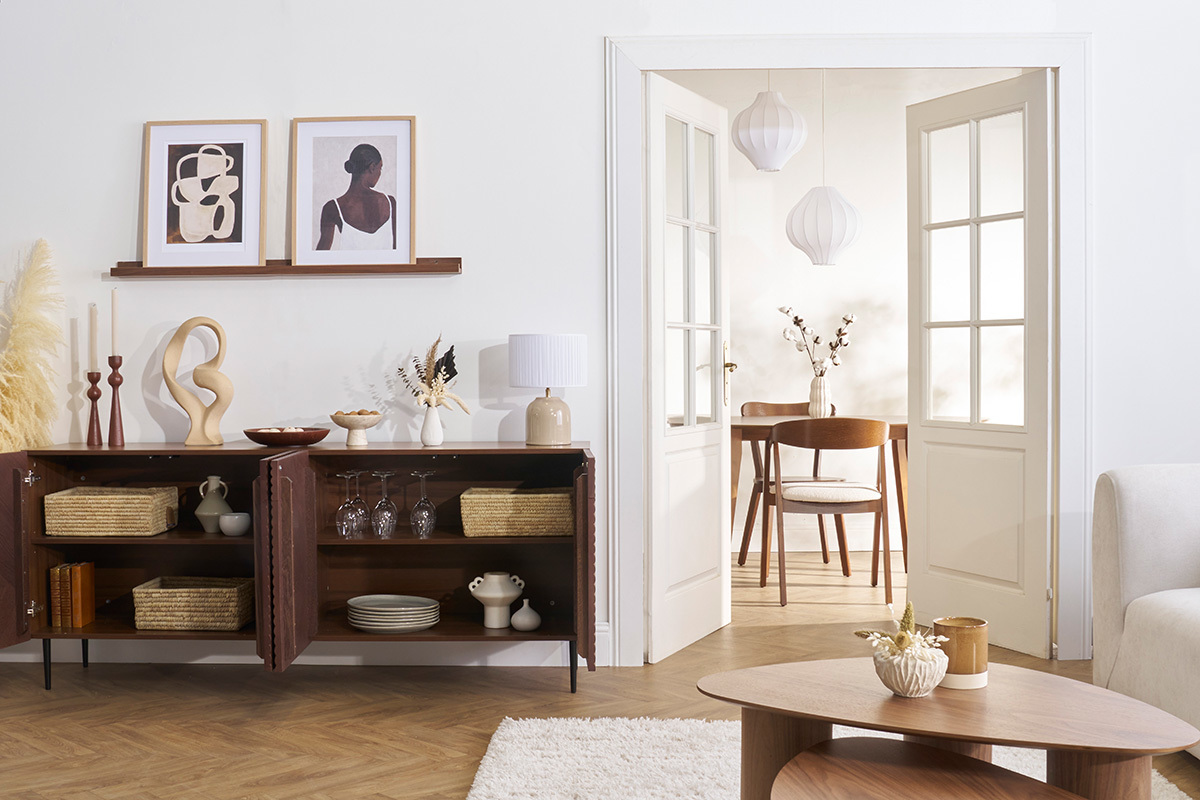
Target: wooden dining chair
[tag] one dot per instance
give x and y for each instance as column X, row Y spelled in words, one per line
column 830, row 497
column 758, row 493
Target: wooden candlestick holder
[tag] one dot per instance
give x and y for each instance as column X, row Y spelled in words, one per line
column 116, row 433
column 94, row 438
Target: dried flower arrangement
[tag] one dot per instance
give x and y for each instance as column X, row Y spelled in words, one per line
column 431, row 380
column 802, row 343
column 27, row 405
column 907, row 641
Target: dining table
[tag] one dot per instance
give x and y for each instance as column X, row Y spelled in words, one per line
column 757, row 429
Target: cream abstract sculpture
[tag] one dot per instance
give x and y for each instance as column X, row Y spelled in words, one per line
column 206, row 420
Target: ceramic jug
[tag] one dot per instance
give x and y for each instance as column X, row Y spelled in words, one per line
column 525, row 618
column 497, row 591
column 212, row 503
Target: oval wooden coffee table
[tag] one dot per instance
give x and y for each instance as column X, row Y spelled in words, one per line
column 1098, row 743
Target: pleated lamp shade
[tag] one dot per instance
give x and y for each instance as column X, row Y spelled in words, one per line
column 823, row 224
column 545, row 361
column 769, row 132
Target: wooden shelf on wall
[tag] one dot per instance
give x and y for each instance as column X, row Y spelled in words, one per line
column 282, row 267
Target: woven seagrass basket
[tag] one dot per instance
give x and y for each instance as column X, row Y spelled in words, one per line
column 193, row 604
column 518, row 512
column 111, row 511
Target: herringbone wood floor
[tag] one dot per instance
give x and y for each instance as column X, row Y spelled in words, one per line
column 213, row 732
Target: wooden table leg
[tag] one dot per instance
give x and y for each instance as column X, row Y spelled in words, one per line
column 771, row 740
column 900, row 466
column 1099, row 775
column 735, row 470
column 973, row 749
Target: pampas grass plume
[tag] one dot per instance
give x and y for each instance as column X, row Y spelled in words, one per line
column 27, row 407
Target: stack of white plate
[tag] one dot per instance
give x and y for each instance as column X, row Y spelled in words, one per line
column 392, row 613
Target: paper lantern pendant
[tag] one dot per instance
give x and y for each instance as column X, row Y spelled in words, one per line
column 823, row 224
column 769, row 132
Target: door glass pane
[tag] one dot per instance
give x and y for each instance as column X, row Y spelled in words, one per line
column 949, row 173
column 676, row 188
column 1002, row 375
column 706, row 376
column 950, row 374
column 675, row 269
column 950, row 274
column 677, row 377
column 704, row 276
column 1002, row 269
column 703, row 179
column 1002, row 164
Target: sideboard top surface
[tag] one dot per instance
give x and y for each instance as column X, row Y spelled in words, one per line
column 245, row 446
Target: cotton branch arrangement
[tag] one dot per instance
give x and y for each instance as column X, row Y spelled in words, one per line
column 432, row 379
column 805, row 339
column 27, row 406
column 907, row 641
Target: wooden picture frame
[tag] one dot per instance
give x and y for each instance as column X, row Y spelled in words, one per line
column 204, row 193
column 353, row 189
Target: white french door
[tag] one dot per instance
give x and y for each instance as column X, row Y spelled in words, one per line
column 687, row 565
column 981, row 256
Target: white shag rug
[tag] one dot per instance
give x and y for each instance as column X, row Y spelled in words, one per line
column 653, row 759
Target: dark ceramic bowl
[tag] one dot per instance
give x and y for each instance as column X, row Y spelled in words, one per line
column 286, row 438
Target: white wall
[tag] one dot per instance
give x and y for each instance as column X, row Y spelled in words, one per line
column 864, row 155
column 510, row 176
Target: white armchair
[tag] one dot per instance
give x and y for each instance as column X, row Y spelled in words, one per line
column 1146, row 586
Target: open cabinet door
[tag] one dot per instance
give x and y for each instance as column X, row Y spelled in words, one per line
column 585, row 578
column 14, row 589
column 264, row 595
column 291, row 555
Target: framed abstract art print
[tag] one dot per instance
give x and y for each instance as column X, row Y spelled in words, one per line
column 352, row 190
column 203, row 193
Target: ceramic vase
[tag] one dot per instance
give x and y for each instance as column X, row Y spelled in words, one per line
column 820, row 401
column 525, row 618
column 212, row 503
column 497, row 591
column 908, row 676
column 431, row 428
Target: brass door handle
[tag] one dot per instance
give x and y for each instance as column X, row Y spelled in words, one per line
column 729, row 365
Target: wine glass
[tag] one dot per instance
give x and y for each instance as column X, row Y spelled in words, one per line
column 424, row 515
column 350, row 519
column 383, row 516
column 364, row 511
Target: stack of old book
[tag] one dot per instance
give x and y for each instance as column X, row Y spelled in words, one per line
column 73, row 594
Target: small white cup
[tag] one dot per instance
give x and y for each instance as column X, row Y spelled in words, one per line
column 235, row 523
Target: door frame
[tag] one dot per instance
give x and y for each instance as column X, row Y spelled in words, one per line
column 626, row 59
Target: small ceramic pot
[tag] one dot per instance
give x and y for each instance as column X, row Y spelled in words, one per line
column 908, row 676
column 497, row 591
column 212, row 503
column 525, row 618
column 236, row 523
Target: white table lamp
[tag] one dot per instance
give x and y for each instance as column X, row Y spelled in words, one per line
column 545, row 361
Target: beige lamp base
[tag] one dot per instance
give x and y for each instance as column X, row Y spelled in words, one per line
column 547, row 422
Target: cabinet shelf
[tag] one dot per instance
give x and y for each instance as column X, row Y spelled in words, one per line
column 333, row 626
column 402, row 538
column 109, row 625
column 171, row 537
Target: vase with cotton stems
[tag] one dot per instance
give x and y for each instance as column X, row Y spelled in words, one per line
column 806, row 341
column 430, row 382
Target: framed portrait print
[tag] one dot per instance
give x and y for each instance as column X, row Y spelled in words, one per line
column 203, row 193
column 352, row 190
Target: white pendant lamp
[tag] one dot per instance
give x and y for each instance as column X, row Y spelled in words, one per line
column 769, row 131
column 823, row 223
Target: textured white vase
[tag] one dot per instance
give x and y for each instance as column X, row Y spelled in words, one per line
column 909, row 676
column 525, row 618
column 497, row 591
column 431, row 428
column 820, row 400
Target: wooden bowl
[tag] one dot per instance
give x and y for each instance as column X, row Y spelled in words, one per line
column 304, row 436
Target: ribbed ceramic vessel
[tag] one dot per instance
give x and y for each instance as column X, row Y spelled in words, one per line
column 823, row 224
column 768, row 132
column 908, row 676
column 820, row 399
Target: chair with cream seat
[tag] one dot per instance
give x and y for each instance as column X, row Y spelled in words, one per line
column 830, row 497
column 767, row 498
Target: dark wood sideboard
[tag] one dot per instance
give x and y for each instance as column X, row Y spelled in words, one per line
column 304, row 571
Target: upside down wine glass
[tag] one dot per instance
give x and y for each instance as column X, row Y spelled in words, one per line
column 383, row 516
column 350, row 519
column 424, row 514
column 363, row 510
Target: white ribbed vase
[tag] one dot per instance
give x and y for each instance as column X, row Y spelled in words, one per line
column 820, row 399
column 431, row 427
column 909, row 676
column 823, row 224
column 768, row 132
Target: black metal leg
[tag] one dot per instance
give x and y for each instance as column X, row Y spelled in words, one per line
column 84, row 646
column 46, row 661
column 574, row 664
